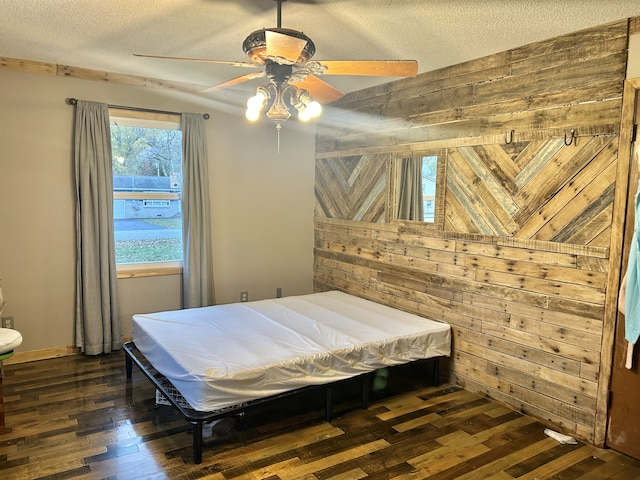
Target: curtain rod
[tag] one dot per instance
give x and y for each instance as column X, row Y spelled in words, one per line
column 74, row 101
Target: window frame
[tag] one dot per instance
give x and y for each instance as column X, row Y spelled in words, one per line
column 148, row 120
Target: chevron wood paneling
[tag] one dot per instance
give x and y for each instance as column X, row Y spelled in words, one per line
column 352, row 188
column 542, row 190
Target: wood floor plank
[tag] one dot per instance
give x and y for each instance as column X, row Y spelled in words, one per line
column 550, row 452
column 559, row 464
column 78, row 417
column 500, row 467
column 614, row 467
column 456, row 448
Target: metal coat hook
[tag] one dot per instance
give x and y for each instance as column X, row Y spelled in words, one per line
column 573, row 134
column 508, row 139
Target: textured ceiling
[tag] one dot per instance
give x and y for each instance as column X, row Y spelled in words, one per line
column 103, row 35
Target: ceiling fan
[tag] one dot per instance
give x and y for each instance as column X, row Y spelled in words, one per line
column 285, row 58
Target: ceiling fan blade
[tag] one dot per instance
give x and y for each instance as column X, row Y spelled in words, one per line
column 284, row 49
column 234, row 81
column 204, row 60
column 376, row 68
column 319, row 89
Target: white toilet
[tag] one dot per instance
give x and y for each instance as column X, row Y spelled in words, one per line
column 10, row 339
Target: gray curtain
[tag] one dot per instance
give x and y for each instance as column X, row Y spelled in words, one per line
column 197, row 268
column 97, row 317
column 410, row 205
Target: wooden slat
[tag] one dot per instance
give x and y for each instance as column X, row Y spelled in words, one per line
column 43, row 68
column 27, row 66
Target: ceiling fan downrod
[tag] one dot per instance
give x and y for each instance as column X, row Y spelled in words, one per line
column 279, row 13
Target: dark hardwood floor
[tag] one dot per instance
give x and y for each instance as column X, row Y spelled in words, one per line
column 78, row 417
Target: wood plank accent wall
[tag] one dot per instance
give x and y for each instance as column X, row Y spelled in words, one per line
column 522, row 266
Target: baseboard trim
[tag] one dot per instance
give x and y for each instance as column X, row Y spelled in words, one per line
column 46, row 354
column 43, row 354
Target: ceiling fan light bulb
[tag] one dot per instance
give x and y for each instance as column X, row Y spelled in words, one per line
column 256, row 102
column 314, row 108
column 252, row 114
column 304, row 115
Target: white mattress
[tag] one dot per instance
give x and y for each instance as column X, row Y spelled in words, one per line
column 230, row 354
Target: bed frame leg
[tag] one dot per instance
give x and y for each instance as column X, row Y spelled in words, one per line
column 436, row 372
column 128, row 365
column 197, row 442
column 328, row 410
column 365, row 379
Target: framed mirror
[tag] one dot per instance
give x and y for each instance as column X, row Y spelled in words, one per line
column 418, row 188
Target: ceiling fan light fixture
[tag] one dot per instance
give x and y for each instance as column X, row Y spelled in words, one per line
column 256, row 103
column 313, row 110
column 283, row 94
column 307, row 107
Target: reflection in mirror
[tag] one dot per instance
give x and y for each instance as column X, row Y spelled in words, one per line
column 419, row 188
column 409, row 188
column 429, row 173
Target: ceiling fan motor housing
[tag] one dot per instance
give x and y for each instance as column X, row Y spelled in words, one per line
column 255, row 46
column 278, row 74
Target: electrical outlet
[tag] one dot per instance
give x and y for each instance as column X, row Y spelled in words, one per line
column 278, row 292
column 244, row 296
column 7, row 322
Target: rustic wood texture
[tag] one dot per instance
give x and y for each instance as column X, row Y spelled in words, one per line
column 545, row 191
column 52, row 69
column 527, row 315
column 522, row 266
column 78, row 417
column 622, row 427
column 354, row 187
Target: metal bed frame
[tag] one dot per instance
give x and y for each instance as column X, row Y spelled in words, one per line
column 198, row 418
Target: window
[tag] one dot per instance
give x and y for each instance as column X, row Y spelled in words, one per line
column 431, row 185
column 147, row 182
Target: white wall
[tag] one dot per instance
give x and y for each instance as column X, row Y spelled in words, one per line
column 262, row 204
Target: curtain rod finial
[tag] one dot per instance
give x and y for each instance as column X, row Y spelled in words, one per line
column 72, row 101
